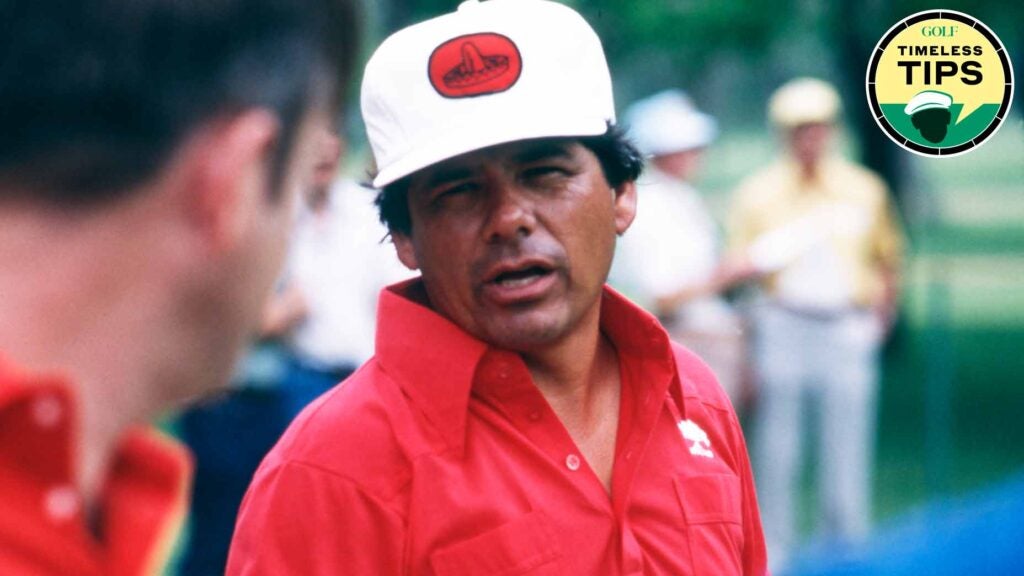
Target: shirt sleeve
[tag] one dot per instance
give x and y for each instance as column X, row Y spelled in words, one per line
column 755, row 556
column 299, row 519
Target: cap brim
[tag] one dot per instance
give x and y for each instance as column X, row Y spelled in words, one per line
column 923, row 107
column 468, row 137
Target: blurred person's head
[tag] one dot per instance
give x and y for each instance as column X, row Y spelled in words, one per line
column 805, row 110
column 671, row 132
column 154, row 151
column 503, row 178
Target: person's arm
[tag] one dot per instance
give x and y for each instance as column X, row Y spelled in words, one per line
column 729, row 273
column 283, row 311
column 742, row 260
column 300, row 519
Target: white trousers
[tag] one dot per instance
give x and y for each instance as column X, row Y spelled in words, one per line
column 827, row 363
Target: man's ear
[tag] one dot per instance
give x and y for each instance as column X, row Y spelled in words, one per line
column 229, row 167
column 405, row 250
column 625, row 206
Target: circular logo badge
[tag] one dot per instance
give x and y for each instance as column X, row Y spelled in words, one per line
column 939, row 83
column 474, row 65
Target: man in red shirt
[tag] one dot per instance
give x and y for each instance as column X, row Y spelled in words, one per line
column 519, row 417
column 150, row 159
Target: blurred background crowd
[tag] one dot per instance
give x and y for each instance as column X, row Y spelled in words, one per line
column 883, row 418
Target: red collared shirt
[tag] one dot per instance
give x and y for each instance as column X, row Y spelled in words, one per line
column 440, row 456
column 43, row 530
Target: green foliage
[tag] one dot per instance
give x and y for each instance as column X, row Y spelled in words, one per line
column 694, row 27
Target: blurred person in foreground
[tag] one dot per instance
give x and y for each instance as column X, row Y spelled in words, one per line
column 325, row 310
column 820, row 235
column 518, row 416
column 151, row 158
column 317, row 327
column 674, row 242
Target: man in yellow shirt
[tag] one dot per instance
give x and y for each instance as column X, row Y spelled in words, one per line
column 820, row 234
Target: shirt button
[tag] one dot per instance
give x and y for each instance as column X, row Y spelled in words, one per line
column 61, row 503
column 47, row 411
column 501, row 370
column 572, row 462
column 534, row 416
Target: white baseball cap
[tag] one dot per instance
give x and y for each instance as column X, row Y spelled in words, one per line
column 489, row 73
column 804, row 101
column 668, row 122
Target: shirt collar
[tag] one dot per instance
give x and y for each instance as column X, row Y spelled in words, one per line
column 36, row 435
column 435, row 362
column 30, row 403
column 822, row 177
column 149, row 472
column 431, row 358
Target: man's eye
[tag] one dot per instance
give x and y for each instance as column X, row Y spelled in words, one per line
column 453, row 191
column 544, row 171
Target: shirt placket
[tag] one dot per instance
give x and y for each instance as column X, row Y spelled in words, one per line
column 646, row 385
column 507, row 382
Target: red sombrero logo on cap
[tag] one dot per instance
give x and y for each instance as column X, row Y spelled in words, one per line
column 474, row 65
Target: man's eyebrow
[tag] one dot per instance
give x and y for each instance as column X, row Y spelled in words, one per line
column 543, row 150
column 447, row 174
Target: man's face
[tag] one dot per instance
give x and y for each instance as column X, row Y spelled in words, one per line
column 682, row 165
column 809, row 142
column 245, row 229
column 268, row 231
column 515, row 241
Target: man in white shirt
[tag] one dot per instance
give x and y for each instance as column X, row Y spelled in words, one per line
column 316, row 329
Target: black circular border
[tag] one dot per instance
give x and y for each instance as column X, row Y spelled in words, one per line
column 876, row 110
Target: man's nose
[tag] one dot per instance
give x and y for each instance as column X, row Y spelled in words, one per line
column 511, row 214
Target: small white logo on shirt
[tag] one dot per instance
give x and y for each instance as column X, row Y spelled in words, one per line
column 692, row 433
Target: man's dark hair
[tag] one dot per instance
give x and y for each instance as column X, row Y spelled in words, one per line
column 620, row 161
column 95, row 95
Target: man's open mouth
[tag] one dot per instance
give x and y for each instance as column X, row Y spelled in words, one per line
column 519, row 282
column 522, row 277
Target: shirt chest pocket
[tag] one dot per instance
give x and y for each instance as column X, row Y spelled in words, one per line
column 527, row 545
column 712, row 511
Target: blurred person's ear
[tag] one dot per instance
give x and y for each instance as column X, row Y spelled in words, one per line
column 405, row 250
column 230, row 177
column 625, row 206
